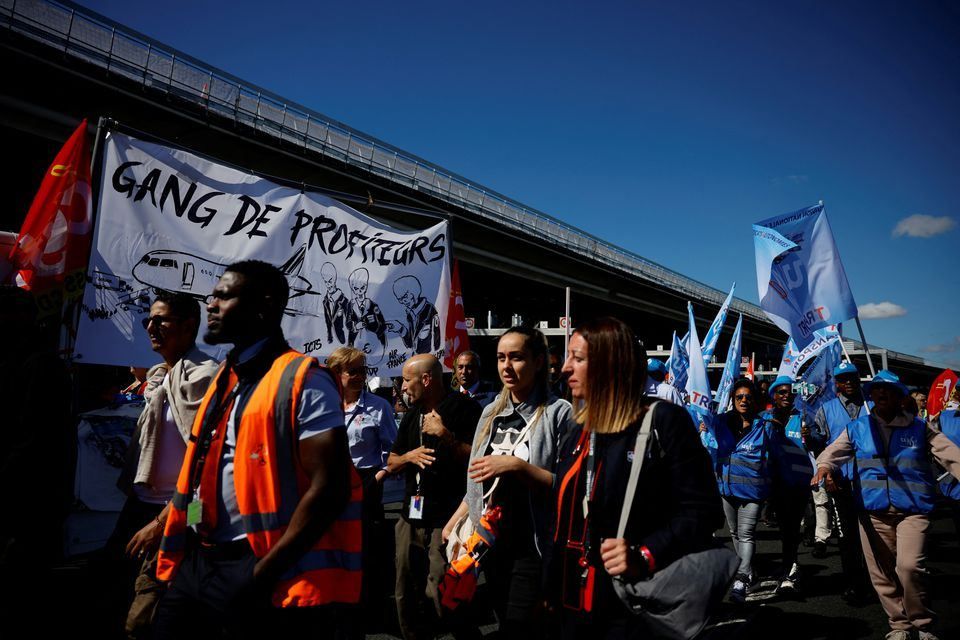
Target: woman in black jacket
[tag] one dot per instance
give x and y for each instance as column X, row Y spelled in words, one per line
column 676, row 507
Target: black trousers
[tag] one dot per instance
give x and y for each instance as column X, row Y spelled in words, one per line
column 513, row 584
column 790, row 503
column 211, row 596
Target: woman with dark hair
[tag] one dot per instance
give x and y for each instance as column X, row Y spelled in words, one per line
column 675, row 509
column 743, row 476
column 511, row 466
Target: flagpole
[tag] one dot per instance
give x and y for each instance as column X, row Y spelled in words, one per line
column 566, row 315
column 866, row 349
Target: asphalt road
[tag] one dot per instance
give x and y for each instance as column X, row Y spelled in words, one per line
column 71, row 603
column 818, row 612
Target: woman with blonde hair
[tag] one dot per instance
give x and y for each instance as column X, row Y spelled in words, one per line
column 371, row 430
column 511, row 466
column 676, row 506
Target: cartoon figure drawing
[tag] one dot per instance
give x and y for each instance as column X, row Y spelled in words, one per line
column 336, row 305
column 365, row 324
column 421, row 331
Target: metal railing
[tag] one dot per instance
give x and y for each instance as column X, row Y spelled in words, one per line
column 88, row 36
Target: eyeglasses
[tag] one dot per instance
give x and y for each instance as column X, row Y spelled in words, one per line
column 164, row 321
column 218, row 296
column 743, row 396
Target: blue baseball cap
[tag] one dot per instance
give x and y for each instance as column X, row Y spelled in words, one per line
column 887, row 378
column 654, row 365
column 845, row 369
column 779, row 382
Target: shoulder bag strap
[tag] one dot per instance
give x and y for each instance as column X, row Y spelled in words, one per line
column 639, row 453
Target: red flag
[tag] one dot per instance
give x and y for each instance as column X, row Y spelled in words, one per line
column 749, row 373
column 51, row 252
column 940, row 390
column 457, row 340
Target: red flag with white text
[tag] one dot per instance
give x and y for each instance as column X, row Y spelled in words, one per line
column 457, row 340
column 940, row 391
column 50, row 255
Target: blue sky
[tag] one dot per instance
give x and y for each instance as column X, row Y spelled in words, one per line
column 666, row 127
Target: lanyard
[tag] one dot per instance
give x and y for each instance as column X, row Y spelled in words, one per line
column 421, row 444
column 208, row 432
column 591, row 461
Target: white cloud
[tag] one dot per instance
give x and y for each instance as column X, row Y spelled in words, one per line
column 879, row 310
column 923, row 226
column 946, row 347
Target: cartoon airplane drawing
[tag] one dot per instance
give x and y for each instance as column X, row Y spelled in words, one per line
column 180, row 272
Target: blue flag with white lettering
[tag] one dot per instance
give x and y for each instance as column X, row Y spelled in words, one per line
column 713, row 333
column 677, row 364
column 731, row 370
column 800, row 279
column 698, row 386
column 817, row 384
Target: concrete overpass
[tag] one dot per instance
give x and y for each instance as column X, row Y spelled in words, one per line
column 64, row 62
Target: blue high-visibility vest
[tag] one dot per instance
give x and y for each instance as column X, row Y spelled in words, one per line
column 950, row 426
column 742, row 470
column 901, row 477
column 794, row 466
column 837, row 419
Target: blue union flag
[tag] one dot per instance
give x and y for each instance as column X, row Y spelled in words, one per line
column 800, row 279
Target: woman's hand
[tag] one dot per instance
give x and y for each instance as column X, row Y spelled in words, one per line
column 487, row 467
column 146, row 540
column 618, row 559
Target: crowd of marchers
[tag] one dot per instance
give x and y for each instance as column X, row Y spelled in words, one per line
column 255, row 485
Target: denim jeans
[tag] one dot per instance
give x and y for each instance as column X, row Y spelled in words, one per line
column 742, row 516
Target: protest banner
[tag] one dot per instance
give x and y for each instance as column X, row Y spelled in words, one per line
column 171, row 220
column 800, row 279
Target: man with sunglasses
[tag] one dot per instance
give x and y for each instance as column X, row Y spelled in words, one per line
column 792, row 470
column 174, row 390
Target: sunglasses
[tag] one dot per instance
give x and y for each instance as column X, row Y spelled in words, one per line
column 743, row 396
column 164, row 321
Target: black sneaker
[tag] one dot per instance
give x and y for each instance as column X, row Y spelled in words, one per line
column 789, row 585
column 738, row 593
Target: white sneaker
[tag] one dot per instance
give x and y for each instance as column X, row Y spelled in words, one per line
column 926, row 635
column 899, row 634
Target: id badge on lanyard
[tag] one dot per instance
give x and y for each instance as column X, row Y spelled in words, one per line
column 417, row 500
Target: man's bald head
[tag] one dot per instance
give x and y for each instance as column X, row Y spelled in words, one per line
column 425, row 363
column 423, row 380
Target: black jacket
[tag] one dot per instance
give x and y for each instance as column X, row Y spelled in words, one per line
column 676, row 507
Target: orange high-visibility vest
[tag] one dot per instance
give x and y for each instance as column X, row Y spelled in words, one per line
column 269, row 483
